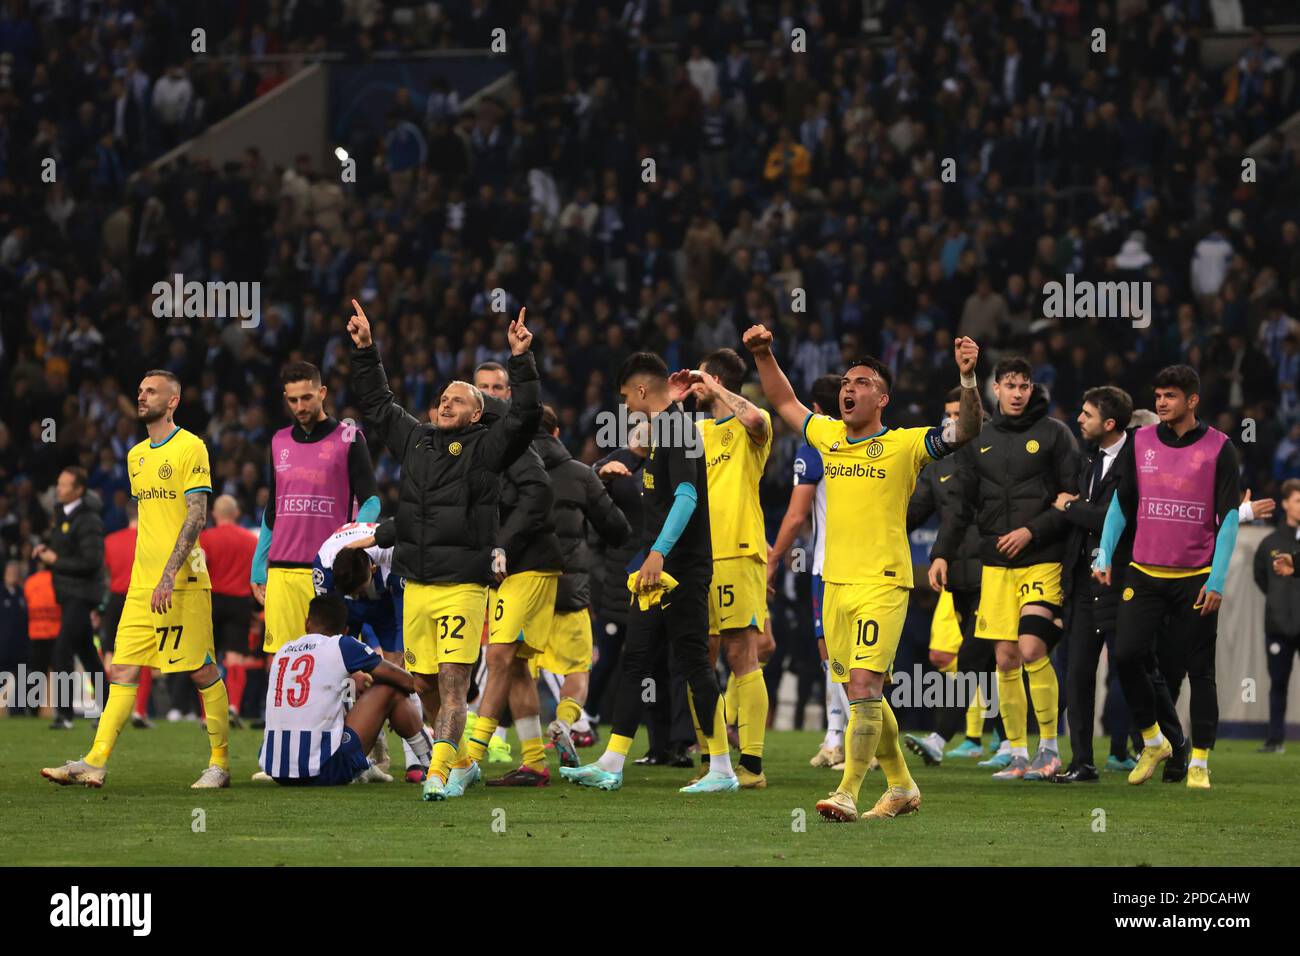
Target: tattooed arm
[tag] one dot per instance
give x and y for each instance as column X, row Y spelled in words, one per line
column 196, row 515
column 970, row 415
column 755, row 421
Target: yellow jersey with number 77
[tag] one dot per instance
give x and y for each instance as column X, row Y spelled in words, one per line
column 162, row 476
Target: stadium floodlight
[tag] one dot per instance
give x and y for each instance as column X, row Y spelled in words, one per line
column 341, row 154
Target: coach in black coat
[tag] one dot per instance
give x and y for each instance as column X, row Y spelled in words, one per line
column 74, row 554
column 1281, row 613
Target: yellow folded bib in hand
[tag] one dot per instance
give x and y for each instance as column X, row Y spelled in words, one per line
column 649, row 598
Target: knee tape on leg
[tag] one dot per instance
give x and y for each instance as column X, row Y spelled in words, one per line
column 1043, row 628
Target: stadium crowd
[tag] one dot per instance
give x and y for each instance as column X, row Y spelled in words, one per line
column 660, row 176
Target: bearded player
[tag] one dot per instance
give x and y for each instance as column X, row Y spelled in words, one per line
column 870, row 472
column 167, row 618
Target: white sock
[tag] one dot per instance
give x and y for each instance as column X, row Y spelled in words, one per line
column 1203, row 762
column 721, row 764
column 554, row 683
column 583, row 724
column 501, row 732
column 611, row 762
column 1157, row 741
column 528, row 727
column 1004, row 747
column 1020, row 752
column 418, row 749
column 1048, row 744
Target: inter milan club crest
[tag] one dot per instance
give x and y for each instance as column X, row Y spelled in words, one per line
column 726, row 438
column 875, row 449
column 165, row 471
column 454, row 448
column 1032, row 446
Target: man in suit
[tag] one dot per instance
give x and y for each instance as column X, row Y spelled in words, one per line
column 1091, row 607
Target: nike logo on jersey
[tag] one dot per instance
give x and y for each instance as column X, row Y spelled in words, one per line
column 944, row 478
column 983, row 450
column 173, row 660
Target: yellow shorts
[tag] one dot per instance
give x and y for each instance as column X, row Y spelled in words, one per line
column 737, row 594
column 442, row 624
column 1005, row 591
column 523, row 608
column 288, row 592
column 175, row 642
column 569, row 649
column 945, row 627
column 863, row 625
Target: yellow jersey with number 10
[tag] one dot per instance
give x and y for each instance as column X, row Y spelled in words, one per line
column 735, row 467
column 161, row 477
column 869, row 482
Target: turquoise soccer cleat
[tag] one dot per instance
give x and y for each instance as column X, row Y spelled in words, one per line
column 434, row 789
column 713, row 782
column 967, row 748
column 590, row 775
column 461, row 779
column 998, row 761
column 1114, row 764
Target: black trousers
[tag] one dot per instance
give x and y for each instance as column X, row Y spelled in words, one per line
column 111, row 617
column 1279, row 674
column 1159, row 616
column 76, row 641
column 681, row 620
column 668, row 718
column 976, row 657
column 1083, row 649
column 232, row 616
column 603, row 687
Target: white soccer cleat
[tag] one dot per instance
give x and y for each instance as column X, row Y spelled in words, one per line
column 260, row 776
column 373, row 774
column 213, row 778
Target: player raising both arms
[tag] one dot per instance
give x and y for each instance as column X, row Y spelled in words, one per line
column 167, row 618
column 870, row 471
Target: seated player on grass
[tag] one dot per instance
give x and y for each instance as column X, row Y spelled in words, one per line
column 312, row 737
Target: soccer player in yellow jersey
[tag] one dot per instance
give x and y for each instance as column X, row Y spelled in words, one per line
column 167, row 619
column 870, row 471
column 737, row 442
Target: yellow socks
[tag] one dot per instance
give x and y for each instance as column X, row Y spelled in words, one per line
column 477, row 744
column 568, row 710
column 619, row 744
column 444, row 752
column 216, row 708
column 117, row 711
column 715, row 744
column 1015, row 707
column 751, row 722
column 889, row 753
column 975, row 715
column 529, row 730
column 861, row 740
column 1045, row 691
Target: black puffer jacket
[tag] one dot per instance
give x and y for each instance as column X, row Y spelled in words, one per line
column 78, row 540
column 610, row 597
column 581, row 503
column 527, row 505
column 937, row 491
column 450, row 490
column 1010, row 475
column 1281, row 595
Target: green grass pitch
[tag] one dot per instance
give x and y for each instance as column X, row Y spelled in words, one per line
column 145, row 815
